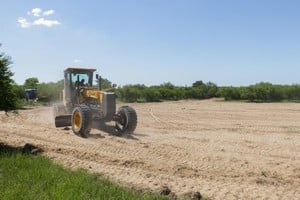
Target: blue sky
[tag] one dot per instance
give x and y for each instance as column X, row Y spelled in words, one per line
column 228, row 42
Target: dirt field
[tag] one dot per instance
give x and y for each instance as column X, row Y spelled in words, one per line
column 225, row 150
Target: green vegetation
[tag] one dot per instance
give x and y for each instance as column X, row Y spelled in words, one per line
column 262, row 92
column 47, row 92
column 8, row 100
column 166, row 91
column 31, row 83
column 24, row 176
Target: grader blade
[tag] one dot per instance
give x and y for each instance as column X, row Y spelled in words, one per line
column 63, row 120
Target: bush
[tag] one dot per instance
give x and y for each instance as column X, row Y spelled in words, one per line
column 166, row 91
column 131, row 93
column 49, row 91
column 262, row 92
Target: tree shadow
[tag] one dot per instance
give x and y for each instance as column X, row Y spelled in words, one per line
column 6, row 149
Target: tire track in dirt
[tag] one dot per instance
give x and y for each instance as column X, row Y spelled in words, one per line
column 222, row 149
column 81, row 153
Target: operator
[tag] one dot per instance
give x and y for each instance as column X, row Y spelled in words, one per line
column 81, row 83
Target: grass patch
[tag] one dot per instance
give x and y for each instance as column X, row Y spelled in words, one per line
column 23, row 176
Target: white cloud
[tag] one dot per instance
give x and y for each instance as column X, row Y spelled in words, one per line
column 23, row 22
column 77, row 61
column 36, row 12
column 48, row 12
column 45, row 22
column 37, row 18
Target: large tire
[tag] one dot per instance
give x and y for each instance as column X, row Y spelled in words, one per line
column 81, row 120
column 127, row 120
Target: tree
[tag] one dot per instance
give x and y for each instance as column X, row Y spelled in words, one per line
column 199, row 84
column 211, row 89
column 31, row 83
column 8, row 98
column 105, row 83
column 50, row 91
column 231, row 93
column 151, row 94
column 131, row 93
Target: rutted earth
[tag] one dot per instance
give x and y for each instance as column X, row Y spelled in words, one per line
column 225, row 150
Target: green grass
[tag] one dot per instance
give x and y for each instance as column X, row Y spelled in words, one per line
column 24, row 176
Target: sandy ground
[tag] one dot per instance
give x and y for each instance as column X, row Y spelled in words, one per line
column 225, row 150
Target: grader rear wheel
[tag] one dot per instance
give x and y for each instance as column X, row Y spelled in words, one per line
column 127, row 120
column 81, row 120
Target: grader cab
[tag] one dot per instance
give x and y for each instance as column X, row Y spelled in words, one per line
column 82, row 105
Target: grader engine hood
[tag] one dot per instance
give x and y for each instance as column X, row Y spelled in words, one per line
column 106, row 102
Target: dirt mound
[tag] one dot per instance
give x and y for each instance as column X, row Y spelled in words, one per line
column 224, row 150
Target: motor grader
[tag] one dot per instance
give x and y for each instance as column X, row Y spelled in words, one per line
column 83, row 105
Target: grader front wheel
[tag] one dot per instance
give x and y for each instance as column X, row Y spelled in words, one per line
column 127, row 120
column 81, row 120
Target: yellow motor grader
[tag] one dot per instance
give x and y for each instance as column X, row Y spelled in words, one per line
column 82, row 104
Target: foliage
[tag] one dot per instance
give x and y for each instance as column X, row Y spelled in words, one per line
column 48, row 92
column 166, row 91
column 131, row 93
column 31, row 83
column 24, row 176
column 105, row 83
column 19, row 91
column 198, row 84
column 230, row 93
column 262, row 92
column 8, row 100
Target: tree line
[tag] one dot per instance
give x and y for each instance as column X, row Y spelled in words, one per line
column 166, row 91
column 262, row 92
column 12, row 94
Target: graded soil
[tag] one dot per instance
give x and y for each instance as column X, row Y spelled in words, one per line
column 225, row 150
